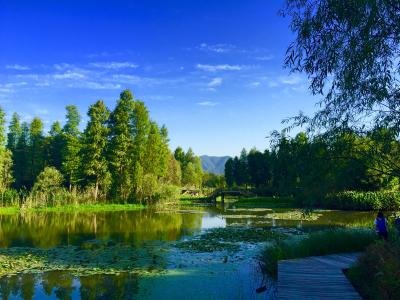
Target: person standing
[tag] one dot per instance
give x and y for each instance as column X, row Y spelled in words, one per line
column 381, row 226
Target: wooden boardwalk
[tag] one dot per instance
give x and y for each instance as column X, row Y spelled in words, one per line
column 317, row 277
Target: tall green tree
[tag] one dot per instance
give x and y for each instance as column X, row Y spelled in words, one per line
column 229, row 172
column 140, row 130
column 121, row 146
column 36, row 149
column 14, row 132
column 21, row 159
column 54, row 146
column 5, row 157
column 71, row 161
column 95, row 139
column 156, row 153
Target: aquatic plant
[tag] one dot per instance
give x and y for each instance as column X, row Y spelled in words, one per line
column 97, row 258
column 317, row 243
column 229, row 239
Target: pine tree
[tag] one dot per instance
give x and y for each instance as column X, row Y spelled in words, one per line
column 36, row 149
column 14, row 132
column 54, row 146
column 5, row 157
column 140, row 131
column 121, row 145
column 21, row 158
column 72, row 145
column 95, row 138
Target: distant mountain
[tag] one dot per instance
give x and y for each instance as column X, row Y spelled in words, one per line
column 214, row 164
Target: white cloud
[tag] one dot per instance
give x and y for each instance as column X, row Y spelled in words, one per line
column 69, row 75
column 113, row 65
column 217, row 81
column 17, row 67
column 95, row 85
column 265, row 57
column 5, row 90
column 273, row 83
column 62, row 66
column 290, row 80
column 207, row 103
column 214, row 68
column 255, row 84
column 217, row 48
column 41, row 111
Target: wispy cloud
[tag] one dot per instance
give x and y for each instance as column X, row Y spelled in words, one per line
column 217, row 48
column 217, row 81
column 214, row 68
column 17, row 67
column 265, row 57
column 41, row 111
column 207, row 103
column 69, row 75
column 290, row 80
column 95, row 85
column 7, row 88
column 255, row 84
column 114, row 65
column 62, row 66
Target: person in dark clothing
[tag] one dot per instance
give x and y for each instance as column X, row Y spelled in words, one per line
column 381, row 226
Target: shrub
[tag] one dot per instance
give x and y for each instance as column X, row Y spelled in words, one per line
column 169, row 192
column 377, row 273
column 352, row 200
column 47, row 190
column 49, row 180
column 9, row 197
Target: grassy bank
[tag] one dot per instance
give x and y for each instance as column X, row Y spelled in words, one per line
column 270, row 202
column 377, row 273
column 317, row 243
column 74, row 208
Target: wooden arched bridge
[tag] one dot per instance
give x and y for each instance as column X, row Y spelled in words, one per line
column 222, row 193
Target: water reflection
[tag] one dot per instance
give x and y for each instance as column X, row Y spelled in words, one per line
column 121, row 241
column 62, row 285
column 47, row 230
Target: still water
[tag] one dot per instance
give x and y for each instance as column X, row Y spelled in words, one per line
column 134, row 254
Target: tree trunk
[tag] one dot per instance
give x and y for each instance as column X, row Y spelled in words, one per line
column 96, row 190
column 70, row 183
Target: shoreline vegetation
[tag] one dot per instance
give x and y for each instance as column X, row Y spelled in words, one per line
column 121, row 156
column 73, row 208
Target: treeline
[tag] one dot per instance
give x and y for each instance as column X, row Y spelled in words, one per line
column 311, row 168
column 122, row 155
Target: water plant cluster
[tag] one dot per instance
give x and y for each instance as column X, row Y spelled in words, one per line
column 92, row 257
column 229, row 239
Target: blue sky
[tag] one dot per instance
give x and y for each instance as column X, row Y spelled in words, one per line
column 211, row 71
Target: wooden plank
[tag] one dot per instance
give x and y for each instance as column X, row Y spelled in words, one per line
column 317, row 277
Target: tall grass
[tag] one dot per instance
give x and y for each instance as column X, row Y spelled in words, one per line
column 377, row 273
column 325, row 242
column 355, row 200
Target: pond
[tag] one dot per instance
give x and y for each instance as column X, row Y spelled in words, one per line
column 191, row 252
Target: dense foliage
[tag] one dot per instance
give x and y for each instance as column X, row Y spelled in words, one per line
column 122, row 156
column 314, row 168
column 350, row 52
column 382, row 200
column 376, row 275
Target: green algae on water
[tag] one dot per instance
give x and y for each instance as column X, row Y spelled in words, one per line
column 229, row 239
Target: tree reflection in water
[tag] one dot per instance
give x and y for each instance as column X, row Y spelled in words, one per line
column 62, row 285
